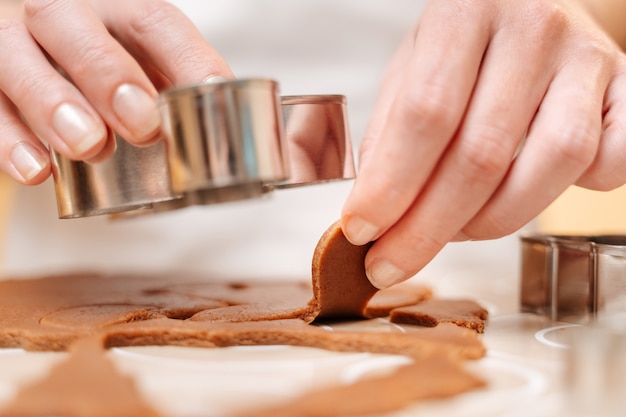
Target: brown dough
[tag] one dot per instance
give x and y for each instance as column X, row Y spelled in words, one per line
column 51, row 313
column 446, row 340
column 425, row 379
column 340, row 287
column 401, row 295
column 85, row 385
column 464, row 313
column 54, row 313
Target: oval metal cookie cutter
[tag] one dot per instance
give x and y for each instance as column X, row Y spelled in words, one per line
column 222, row 141
column 573, row 278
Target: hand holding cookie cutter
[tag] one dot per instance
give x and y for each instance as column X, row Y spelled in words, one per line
column 223, row 141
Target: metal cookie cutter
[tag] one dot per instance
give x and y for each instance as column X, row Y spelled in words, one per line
column 573, row 278
column 223, row 141
column 318, row 140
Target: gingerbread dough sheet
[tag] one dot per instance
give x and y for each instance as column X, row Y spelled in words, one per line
column 131, row 311
column 55, row 313
column 51, row 313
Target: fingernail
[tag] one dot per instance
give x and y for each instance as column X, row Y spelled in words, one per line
column 214, row 79
column 359, row 232
column 383, row 274
column 27, row 160
column 77, row 129
column 137, row 110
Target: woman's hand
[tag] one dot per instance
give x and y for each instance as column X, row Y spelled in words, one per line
column 489, row 110
column 73, row 70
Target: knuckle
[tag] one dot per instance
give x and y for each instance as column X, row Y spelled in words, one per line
column 8, row 117
column 186, row 58
column 600, row 181
column 601, row 52
column 367, row 144
column 599, row 55
column 546, row 19
column 34, row 87
column 12, row 31
column 620, row 67
column 490, row 225
column 94, row 52
column 9, row 26
column 422, row 242
column 156, row 15
column 429, row 107
column 487, row 153
column 573, row 145
column 35, row 8
column 459, row 9
column 152, row 15
column 604, row 175
column 383, row 189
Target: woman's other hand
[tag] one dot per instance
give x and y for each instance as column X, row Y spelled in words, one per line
column 72, row 71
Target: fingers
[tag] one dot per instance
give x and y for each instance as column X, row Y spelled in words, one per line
column 421, row 122
column 473, row 165
column 109, row 73
column 391, row 84
column 108, row 76
column 22, row 155
column 608, row 169
column 159, row 33
column 85, row 69
column 55, row 109
column 561, row 144
column 449, row 164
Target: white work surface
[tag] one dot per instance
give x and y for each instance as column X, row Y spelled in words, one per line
column 524, row 365
column 311, row 47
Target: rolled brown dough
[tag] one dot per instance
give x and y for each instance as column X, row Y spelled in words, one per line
column 55, row 313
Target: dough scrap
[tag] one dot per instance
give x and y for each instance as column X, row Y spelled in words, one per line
column 463, row 313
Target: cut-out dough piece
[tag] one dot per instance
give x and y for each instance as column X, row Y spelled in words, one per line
column 340, row 287
column 425, row 379
column 463, row 313
column 87, row 384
